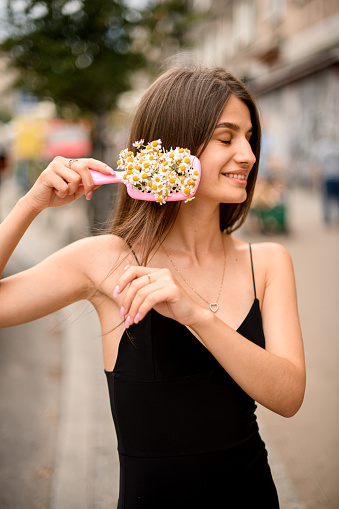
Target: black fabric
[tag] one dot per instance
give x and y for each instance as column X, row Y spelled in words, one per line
column 253, row 278
column 187, row 433
column 208, row 481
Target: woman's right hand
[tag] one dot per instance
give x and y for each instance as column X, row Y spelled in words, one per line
column 60, row 184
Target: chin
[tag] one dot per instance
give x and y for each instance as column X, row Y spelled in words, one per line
column 236, row 199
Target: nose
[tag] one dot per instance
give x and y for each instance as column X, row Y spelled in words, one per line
column 244, row 153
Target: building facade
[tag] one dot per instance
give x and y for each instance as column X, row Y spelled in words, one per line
column 288, row 53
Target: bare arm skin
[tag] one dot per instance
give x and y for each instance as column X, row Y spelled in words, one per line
column 274, row 377
column 61, row 278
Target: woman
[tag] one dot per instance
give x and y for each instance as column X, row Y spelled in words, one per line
column 207, row 324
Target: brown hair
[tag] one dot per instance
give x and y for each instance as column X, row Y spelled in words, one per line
column 182, row 108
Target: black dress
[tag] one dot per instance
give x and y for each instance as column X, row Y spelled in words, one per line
column 187, row 433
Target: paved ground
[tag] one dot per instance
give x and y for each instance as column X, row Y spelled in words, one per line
column 57, row 443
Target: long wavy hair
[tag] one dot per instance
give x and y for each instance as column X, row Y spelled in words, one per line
column 182, row 108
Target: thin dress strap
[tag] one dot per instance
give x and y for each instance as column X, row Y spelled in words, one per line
column 255, row 292
column 135, row 256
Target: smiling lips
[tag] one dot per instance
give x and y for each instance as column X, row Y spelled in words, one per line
column 237, row 177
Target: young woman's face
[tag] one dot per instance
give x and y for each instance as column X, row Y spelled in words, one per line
column 228, row 158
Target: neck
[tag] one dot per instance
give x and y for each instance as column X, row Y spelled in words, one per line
column 196, row 230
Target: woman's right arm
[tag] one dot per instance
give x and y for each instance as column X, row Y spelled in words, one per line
column 61, row 278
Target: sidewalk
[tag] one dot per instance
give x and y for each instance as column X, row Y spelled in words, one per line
column 86, row 472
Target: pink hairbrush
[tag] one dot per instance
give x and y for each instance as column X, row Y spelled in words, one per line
column 155, row 175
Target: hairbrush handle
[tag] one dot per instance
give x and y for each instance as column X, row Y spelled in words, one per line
column 100, row 178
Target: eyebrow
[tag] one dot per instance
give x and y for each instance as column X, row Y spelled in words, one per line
column 232, row 126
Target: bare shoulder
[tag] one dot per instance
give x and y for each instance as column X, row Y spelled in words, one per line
column 99, row 246
column 269, row 250
column 99, row 254
column 263, row 252
column 272, row 264
column 272, row 259
column 102, row 243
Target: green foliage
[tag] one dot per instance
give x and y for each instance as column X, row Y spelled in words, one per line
column 74, row 51
column 168, row 20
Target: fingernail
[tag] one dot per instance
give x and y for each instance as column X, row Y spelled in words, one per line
column 89, row 195
column 127, row 322
column 122, row 312
column 127, row 266
column 108, row 168
column 116, row 291
column 136, row 318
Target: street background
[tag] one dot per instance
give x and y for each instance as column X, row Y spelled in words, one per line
column 72, row 74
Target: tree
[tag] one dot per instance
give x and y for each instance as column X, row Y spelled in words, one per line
column 81, row 53
column 74, row 52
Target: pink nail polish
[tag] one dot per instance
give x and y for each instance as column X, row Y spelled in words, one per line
column 116, row 291
column 137, row 318
column 89, row 195
column 108, row 168
column 127, row 322
column 127, row 267
column 122, row 312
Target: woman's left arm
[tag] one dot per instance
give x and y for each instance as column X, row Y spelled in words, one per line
column 274, row 376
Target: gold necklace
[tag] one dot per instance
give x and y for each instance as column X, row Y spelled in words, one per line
column 214, row 306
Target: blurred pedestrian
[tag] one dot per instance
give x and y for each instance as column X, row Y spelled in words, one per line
column 196, row 324
column 326, row 160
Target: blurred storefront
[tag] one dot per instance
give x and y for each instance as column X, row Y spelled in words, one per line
column 37, row 136
column 287, row 51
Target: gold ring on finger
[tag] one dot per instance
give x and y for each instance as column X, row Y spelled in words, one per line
column 70, row 162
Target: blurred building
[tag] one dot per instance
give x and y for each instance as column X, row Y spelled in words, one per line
column 288, row 52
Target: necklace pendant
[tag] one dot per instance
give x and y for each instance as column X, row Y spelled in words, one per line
column 214, row 306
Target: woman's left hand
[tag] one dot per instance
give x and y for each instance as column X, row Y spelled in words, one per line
column 148, row 288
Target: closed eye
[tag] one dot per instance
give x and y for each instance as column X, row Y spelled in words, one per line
column 226, row 142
